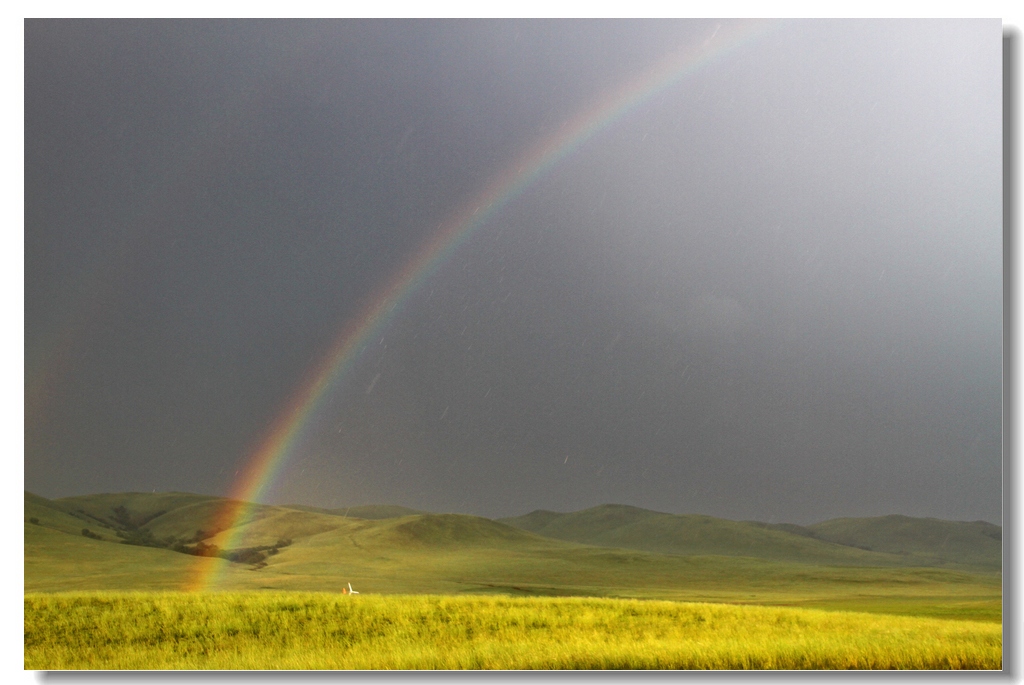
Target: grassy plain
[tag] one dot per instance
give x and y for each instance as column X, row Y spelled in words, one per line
column 458, row 557
column 924, row 584
column 330, row 631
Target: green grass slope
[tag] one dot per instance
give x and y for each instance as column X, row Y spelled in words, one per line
column 974, row 543
column 452, row 530
column 178, row 514
column 144, row 506
column 189, row 518
column 458, row 554
column 45, row 513
column 368, row 511
column 183, row 515
column 271, row 524
column 629, row 527
column 57, row 561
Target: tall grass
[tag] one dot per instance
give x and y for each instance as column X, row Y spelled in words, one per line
column 107, row 630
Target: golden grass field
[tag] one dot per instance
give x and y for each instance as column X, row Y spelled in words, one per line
column 299, row 630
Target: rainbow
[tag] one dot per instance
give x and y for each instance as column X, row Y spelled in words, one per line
column 262, row 467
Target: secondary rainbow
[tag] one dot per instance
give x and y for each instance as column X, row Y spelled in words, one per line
column 265, row 462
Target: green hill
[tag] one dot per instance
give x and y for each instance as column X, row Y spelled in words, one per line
column 143, row 506
column 453, row 530
column 56, row 560
column 975, row 543
column 368, row 511
column 174, row 513
column 868, row 544
column 45, row 513
column 456, row 553
column 268, row 524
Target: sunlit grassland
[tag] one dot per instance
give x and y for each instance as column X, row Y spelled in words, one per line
column 507, row 594
column 279, row 630
column 56, row 562
column 543, row 567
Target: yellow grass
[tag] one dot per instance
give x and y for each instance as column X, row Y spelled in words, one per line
column 281, row 630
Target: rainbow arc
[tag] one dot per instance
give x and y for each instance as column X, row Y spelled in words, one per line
column 266, row 461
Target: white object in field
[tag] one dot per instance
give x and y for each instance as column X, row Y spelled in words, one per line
column 351, row 591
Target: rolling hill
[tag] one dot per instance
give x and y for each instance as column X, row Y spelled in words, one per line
column 691, row 558
column 884, row 541
column 57, row 560
column 369, row 511
column 975, row 543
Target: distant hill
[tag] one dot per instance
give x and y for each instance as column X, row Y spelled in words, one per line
column 976, row 543
column 455, row 530
column 900, row 541
column 878, row 541
column 293, row 548
column 368, row 511
column 166, row 513
column 49, row 514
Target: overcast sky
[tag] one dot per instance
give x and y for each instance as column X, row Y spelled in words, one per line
column 772, row 291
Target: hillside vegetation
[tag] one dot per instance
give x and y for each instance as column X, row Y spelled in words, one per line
column 369, row 511
column 290, row 548
column 883, row 541
column 975, row 543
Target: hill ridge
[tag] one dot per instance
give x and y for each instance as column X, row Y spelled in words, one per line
column 182, row 519
column 894, row 539
column 283, row 548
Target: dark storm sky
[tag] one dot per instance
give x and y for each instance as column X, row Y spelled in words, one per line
column 773, row 291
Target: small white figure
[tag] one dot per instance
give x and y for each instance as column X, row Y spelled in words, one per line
column 351, row 591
